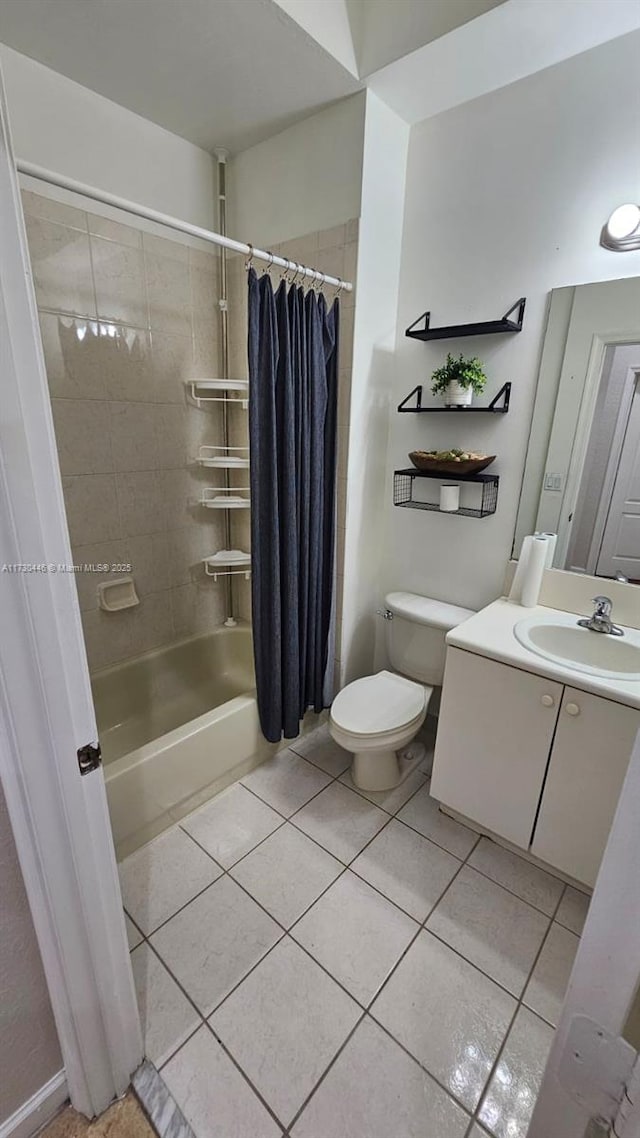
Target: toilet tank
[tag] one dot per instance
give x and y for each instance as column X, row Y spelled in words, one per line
column 416, row 635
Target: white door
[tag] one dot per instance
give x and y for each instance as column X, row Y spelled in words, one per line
column 59, row 816
column 590, row 1062
column 589, row 760
column 620, row 550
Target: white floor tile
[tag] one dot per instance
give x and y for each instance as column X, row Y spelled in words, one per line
column 166, row 1015
column 492, row 928
column 407, row 868
column 321, row 750
column 389, row 800
column 133, row 936
column 548, row 984
column 532, row 884
column 284, row 1024
column 212, row 944
column 424, row 815
column 162, row 876
column 286, row 873
column 510, row 1099
column 374, row 1090
column 212, row 1094
column 478, row 1132
column 572, row 910
column 232, row 824
column 451, row 1017
column 286, row 781
column 341, row 821
column 356, row 934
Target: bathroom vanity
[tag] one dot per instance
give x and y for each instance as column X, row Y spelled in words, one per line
column 532, row 750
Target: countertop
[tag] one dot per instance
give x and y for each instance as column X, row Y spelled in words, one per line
column 490, row 633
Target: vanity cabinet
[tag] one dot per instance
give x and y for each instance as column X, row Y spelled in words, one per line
column 495, row 730
column 589, row 760
column 533, row 761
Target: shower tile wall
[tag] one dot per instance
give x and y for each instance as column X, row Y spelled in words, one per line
column 126, row 317
column 333, row 251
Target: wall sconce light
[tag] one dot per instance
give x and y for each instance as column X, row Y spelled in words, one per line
column 622, row 231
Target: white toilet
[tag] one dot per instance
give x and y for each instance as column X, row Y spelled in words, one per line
column 378, row 717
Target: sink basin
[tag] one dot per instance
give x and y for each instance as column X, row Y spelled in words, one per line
column 561, row 639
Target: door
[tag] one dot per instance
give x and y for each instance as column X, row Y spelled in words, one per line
column 590, row 1063
column 589, row 760
column 495, row 729
column 620, row 550
column 58, row 816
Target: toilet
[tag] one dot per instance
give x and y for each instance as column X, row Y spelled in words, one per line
column 378, row 717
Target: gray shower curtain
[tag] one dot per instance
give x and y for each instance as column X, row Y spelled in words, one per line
column 293, row 374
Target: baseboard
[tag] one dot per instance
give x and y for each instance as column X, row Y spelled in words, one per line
column 37, row 1110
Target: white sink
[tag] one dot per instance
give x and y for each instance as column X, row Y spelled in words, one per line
column 561, row 639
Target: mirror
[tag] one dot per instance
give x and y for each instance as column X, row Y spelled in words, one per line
column 582, row 474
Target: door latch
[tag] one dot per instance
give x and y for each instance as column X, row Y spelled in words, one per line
column 89, row 757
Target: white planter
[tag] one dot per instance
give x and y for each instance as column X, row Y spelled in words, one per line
column 457, row 396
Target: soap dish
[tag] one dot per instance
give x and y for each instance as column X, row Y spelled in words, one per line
column 118, row 594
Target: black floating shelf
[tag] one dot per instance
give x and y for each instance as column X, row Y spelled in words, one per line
column 454, row 331
column 404, row 482
column 499, row 405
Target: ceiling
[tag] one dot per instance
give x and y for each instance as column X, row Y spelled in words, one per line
column 232, row 73
column 217, row 72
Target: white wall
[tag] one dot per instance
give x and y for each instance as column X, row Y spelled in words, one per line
column 29, row 1049
column 305, row 179
column 386, row 140
column 506, row 196
column 63, row 126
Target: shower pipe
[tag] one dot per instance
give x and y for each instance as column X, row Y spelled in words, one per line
column 34, row 171
column 221, row 160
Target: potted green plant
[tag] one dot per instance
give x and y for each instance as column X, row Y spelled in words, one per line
column 458, row 379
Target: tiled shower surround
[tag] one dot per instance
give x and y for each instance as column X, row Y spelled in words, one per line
column 126, row 317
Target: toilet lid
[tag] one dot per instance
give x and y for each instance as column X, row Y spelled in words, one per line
column 378, row 703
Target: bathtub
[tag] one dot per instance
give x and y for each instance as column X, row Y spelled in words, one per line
column 176, row 725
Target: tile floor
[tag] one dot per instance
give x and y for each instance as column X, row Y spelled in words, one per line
column 320, row 963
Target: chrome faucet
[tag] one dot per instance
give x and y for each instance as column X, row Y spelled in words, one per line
column 601, row 619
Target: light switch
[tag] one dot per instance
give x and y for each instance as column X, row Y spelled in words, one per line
column 552, row 481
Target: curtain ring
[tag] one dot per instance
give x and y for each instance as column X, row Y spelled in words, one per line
column 283, row 274
column 340, row 286
column 249, row 263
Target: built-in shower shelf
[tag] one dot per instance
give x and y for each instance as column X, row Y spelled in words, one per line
column 204, row 391
column 228, row 563
column 225, row 498
column 208, row 456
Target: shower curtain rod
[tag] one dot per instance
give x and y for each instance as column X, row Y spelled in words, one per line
column 43, row 175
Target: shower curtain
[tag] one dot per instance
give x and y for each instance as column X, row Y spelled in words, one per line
column 293, row 374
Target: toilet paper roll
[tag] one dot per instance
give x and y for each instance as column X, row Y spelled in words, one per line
column 515, row 592
column 536, row 563
column 449, row 498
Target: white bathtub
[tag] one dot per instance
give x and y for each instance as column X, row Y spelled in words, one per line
column 176, row 725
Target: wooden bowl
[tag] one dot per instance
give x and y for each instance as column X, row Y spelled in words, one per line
column 429, row 465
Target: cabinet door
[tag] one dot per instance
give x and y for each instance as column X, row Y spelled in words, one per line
column 494, row 736
column 589, row 760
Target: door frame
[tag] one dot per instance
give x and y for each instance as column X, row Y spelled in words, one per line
column 605, row 975
column 633, row 410
column 59, row 817
column 600, row 341
column 633, row 378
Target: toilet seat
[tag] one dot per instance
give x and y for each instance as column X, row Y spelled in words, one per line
column 379, row 705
